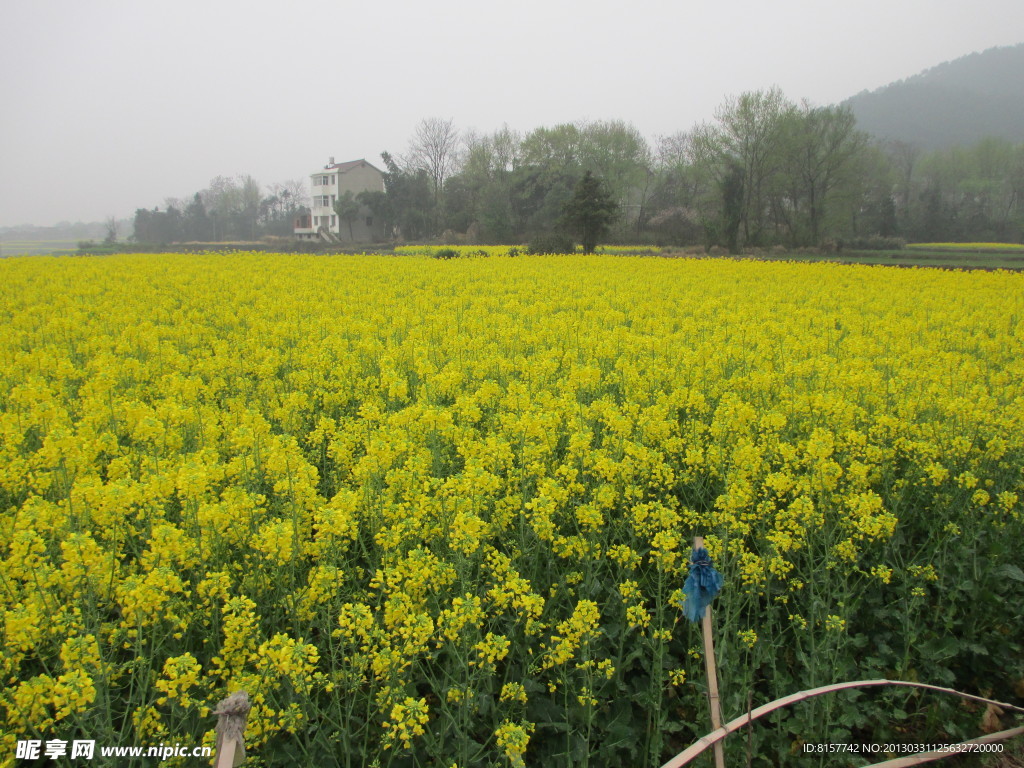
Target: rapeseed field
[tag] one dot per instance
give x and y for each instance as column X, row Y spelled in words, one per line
column 440, row 512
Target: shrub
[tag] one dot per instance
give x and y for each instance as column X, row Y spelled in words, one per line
column 446, row 253
column 551, row 242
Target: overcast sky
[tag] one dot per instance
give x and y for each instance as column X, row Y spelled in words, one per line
column 107, row 106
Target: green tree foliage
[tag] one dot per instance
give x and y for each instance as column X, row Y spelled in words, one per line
column 969, row 193
column 280, row 208
column 347, row 208
column 197, row 223
column 228, row 209
column 590, row 211
column 554, row 158
column 820, row 150
column 799, row 168
column 515, row 187
column 380, row 207
column 733, row 201
column 684, row 194
column 158, row 227
column 488, row 171
column 748, row 134
column 764, row 172
column 410, row 197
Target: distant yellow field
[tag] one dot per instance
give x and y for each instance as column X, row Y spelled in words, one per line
column 441, row 511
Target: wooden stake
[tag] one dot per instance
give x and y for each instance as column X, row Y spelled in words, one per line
column 712, row 673
column 226, row 755
column 231, row 716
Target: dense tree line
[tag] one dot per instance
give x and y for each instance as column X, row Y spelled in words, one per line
column 229, row 209
column 966, row 194
column 765, row 172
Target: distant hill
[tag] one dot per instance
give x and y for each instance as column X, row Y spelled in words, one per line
column 958, row 102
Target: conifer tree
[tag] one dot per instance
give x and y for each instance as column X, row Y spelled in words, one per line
column 590, row 212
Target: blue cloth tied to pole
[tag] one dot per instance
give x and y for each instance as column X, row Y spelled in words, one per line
column 701, row 585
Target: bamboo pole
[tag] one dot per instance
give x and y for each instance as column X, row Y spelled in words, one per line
column 703, row 743
column 712, row 672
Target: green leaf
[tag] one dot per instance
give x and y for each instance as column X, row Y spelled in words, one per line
column 1010, row 571
column 939, row 649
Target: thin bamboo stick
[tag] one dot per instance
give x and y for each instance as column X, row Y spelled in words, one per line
column 712, row 672
column 717, row 735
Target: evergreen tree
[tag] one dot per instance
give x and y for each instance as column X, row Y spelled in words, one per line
column 590, row 212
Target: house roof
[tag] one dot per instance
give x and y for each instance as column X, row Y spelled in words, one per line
column 349, row 165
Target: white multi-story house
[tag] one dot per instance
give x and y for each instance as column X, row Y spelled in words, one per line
column 323, row 222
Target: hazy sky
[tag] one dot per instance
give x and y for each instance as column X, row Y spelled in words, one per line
column 106, row 106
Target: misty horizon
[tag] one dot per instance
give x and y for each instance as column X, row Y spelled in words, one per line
column 133, row 105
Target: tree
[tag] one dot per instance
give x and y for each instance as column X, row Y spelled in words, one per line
column 250, row 198
column 748, row 132
column 489, row 162
column 111, row 226
column 590, row 211
column 732, row 186
column 279, row 209
column 434, row 150
column 196, row 224
column 617, row 153
column 538, row 198
column 223, row 203
column 685, row 194
column 613, row 151
column 347, row 208
column 903, row 158
column 821, row 149
column 380, row 207
column 158, row 226
column 409, row 199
